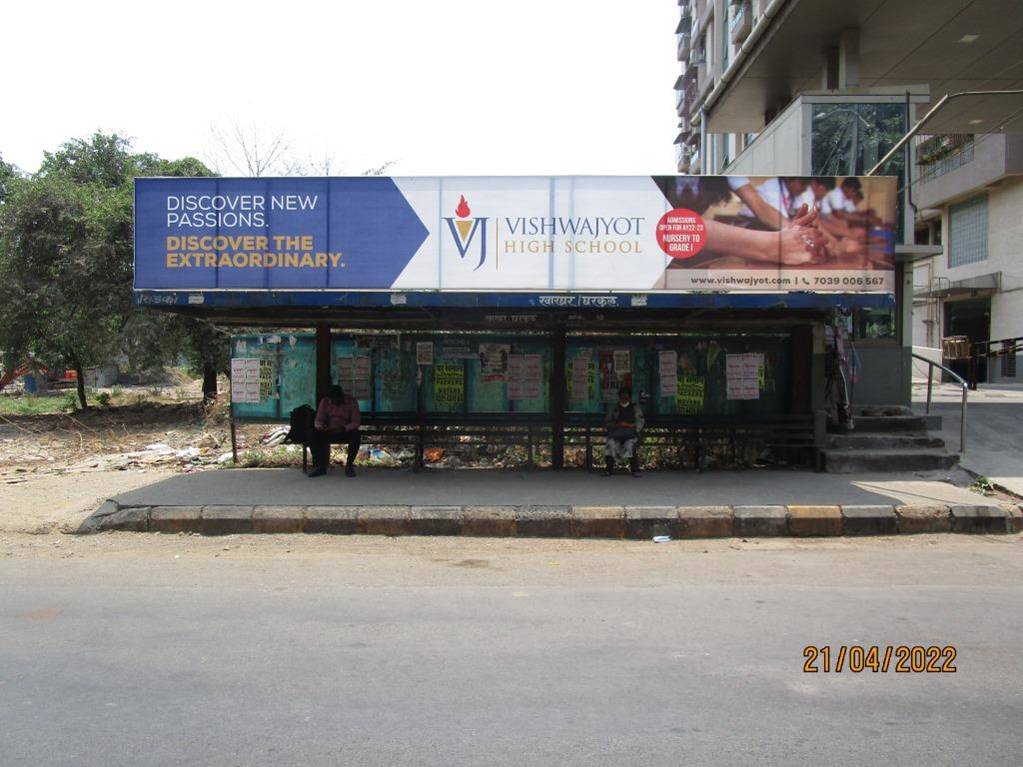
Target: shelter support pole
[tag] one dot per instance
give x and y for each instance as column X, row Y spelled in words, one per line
column 234, row 439
column 322, row 361
column 558, row 399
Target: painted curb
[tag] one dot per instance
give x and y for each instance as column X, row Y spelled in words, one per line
column 538, row 521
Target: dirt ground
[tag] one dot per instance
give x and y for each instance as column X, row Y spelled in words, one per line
column 56, row 468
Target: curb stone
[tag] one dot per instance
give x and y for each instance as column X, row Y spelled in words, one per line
column 226, row 520
column 175, row 519
column 704, row 521
column 807, row 521
column 490, row 521
column 644, row 522
column 381, row 520
column 435, row 520
column 868, row 520
column 966, row 518
column 759, row 521
column 923, row 519
column 634, row 522
column 111, row 516
column 335, row 520
column 543, row 521
column 598, row 522
column 278, row 519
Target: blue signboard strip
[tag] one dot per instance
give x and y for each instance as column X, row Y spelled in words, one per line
column 235, row 299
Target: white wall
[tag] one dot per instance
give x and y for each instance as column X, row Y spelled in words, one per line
column 778, row 150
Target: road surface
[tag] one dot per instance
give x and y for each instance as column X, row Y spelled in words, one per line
column 307, row 650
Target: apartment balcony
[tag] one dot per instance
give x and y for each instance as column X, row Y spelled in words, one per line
column 683, row 46
column 952, row 167
column 685, row 23
column 742, row 22
column 704, row 81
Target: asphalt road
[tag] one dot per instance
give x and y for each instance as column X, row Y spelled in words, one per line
column 147, row 650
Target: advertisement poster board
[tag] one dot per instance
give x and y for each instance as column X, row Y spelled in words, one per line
column 556, row 236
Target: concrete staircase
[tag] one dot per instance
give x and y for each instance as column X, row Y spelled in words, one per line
column 889, row 438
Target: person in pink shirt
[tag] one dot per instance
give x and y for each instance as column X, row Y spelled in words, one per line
column 337, row 423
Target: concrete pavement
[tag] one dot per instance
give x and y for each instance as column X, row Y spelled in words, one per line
column 994, row 429
column 128, row 650
column 461, row 487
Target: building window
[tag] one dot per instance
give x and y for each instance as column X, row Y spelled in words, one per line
column 967, row 230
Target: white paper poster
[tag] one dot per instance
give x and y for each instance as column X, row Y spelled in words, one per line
column 424, row 352
column 742, row 373
column 667, row 365
column 580, row 378
column 245, row 380
column 623, row 362
column 525, row 376
column 354, row 375
column 494, row 362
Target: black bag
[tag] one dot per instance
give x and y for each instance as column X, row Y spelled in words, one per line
column 300, row 423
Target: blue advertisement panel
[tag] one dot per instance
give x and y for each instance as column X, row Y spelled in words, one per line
column 557, row 236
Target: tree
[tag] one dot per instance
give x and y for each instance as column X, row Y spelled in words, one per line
column 251, row 150
column 64, row 264
column 8, row 173
column 66, row 247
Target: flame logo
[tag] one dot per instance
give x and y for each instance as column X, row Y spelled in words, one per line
column 462, row 211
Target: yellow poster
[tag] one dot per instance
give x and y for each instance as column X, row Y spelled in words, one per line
column 448, row 384
column 689, row 400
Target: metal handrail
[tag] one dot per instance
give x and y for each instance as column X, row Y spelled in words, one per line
column 931, row 364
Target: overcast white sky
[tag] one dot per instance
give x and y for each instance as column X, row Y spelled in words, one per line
column 439, row 87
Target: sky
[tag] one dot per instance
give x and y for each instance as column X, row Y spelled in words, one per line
column 469, row 87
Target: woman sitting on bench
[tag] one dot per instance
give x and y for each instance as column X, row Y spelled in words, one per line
column 337, row 422
column 624, row 423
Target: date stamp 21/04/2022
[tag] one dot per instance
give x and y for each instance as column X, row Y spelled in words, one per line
column 902, row 659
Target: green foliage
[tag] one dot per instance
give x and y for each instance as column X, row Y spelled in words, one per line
column 983, row 485
column 33, row 405
column 66, row 245
column 104, row 398
column 8, row 173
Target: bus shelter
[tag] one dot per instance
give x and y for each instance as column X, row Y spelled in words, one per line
column 513, row 309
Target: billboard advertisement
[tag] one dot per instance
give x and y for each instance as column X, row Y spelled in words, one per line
column 502, row 235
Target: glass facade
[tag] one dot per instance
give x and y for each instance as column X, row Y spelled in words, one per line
column 849, row 139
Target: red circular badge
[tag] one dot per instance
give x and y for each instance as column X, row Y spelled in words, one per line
column 681, row 233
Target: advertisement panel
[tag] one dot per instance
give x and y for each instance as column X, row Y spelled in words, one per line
column 550, row 236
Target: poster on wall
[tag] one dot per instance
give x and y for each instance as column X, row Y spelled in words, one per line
column 245, row 380
column 525, row 376
column 743, row 374
column 615, row 369
column 546, row 241
column 266, row 379
column 580, row 375
column 690, row 397
column 667, row 369
column 354, row 376
column 424, row 352
column 494, row 362
column 448, row 384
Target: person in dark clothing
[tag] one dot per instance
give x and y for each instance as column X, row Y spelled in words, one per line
column 337, row 423
column 624, row 423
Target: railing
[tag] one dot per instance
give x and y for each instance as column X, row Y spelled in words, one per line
column 931, row 364
column 1008, row 349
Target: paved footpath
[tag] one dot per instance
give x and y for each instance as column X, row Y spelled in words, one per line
column 127, row 650
column 552, row 504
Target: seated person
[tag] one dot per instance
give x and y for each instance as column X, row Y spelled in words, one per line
column 337, row 422
column 624, row 423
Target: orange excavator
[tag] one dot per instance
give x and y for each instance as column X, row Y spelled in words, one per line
column 67, row 377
